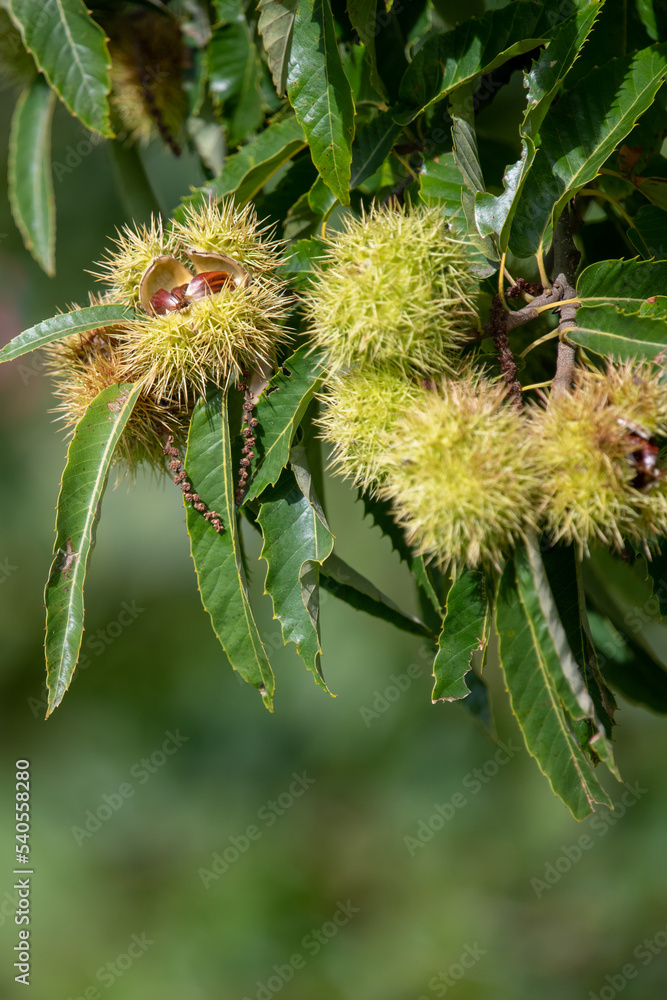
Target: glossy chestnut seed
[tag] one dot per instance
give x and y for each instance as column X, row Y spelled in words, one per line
column 208, row 283
column 163, row 302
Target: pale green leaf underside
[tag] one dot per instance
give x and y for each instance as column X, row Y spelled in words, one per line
column 296, row 542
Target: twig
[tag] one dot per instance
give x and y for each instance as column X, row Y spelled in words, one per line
column 566, row 261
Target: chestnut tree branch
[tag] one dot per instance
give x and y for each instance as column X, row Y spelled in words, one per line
column 566, row 261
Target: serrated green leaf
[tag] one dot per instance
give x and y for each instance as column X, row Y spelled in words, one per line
column 246, row 172
column 577, row 137
column 298, row 265
column 632, row 674
column 348, row 585
column 297, row 540
column 363, row 17
column 479, row 45
column 88, row 459
column 275, row 25
column 441, row 184
column 564, row 574
column 30, row 182
column 279, row 411
column 466, row 157
column 464, row 629
column 546, row 75
column 321, row 199
column 565, row 672
column 217, row 557
column 234, row 76
column 71, row 51
column 648, row 233
column 619, row 592
column 373, row 143
column 623, row 283
column 607, row 331
column 320, row 94
column 537, row 705
column 77, row 321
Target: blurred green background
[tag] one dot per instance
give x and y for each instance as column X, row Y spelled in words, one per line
column 466, row 892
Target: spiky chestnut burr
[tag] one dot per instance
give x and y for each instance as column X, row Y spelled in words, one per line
column 395, row 288
column 596, row 456
column 226, row 228
column 361, row 410
column 460, row 475
column 211, row 303
column 148, row 58
column 82, row 365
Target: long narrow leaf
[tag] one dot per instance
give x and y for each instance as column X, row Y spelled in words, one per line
column 608, row 331
column 279, row 412
column 345, row 583
column 84, row 478
column 77, row 321
column 578, row 135
column 217, row 557
column 275, row 25
column 71, row 50
column 565, row 672
column 537, row 705
column 320, row 94
column 30, row 182
column 297, row 540
column 494, row 213
column 464, row 629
